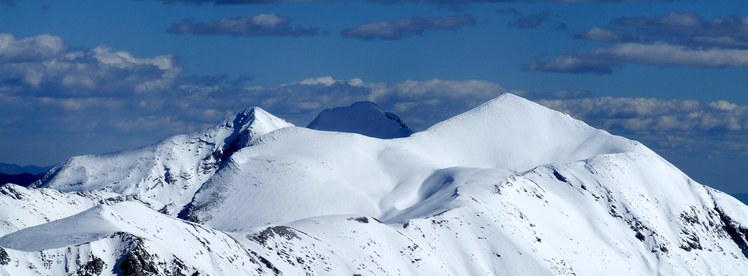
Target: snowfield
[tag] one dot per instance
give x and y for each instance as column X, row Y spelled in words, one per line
column 509, row 187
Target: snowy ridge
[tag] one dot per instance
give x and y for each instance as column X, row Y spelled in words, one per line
column 509, row 187
column 329, row 165
column 129, row 238
column 168, row 172
column 21, row 208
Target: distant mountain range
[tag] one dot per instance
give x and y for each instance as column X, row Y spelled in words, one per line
column 23, row 179
column 16, row 169
column 508, row 188
column 11, row 173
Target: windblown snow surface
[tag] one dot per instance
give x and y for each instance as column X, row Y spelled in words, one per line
column 509, row 187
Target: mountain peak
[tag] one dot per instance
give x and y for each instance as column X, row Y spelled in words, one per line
column 514, row 133
column 168, row 172
column 528, row 190
column 252, row 123
column 249, row 115
column 365, row 118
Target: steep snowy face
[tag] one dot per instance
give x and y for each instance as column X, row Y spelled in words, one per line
column 168, row 172
column 365, row 118
column 352, row 174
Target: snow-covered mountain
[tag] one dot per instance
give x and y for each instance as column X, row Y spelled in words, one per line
column 365, row 118
column 509, row 187
column 169, row 172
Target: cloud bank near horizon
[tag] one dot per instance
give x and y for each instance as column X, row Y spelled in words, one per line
column 116, row 100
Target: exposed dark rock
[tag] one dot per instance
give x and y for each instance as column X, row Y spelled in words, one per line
column 93, row 267
column 137, row 262
column 282, row 231
column 10, row 191
column 560, row 177
column 269, row 265
column 737, row 232
column 360, row 219
column 692, row 242
column 4, row 258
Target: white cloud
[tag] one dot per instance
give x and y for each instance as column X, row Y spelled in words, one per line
column 600, row 34
column 269, row 20
column 723, row 105
column 29, row 49
column 715, row 126
column 674, row 39
column 56, row 71
column 673, row 55
column 326, row 81
column 400, row 28
column 605, row 60
column 264, row 24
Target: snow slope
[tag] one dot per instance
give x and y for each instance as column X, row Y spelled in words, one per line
column 168, row 172
column 351, row 174
column 365, row 118
column 126, row 238
column 21, row 208
column 509, row 187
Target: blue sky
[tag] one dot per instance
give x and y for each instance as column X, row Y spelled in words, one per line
column 83, row 77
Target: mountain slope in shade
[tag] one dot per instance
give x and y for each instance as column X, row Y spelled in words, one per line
column 23, row 179
column 509, row 187
column 168, row 172
column 365, row 118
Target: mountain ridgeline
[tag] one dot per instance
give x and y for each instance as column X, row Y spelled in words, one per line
column 509, row 187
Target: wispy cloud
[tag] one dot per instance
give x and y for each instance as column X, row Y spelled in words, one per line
column 687, row 29
column 675, row 39
column 531, row 21
column 400, row 28
column 234, row 2
column 606, row 60
column 441, row 2
column 264, row 24
column 426, row 2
